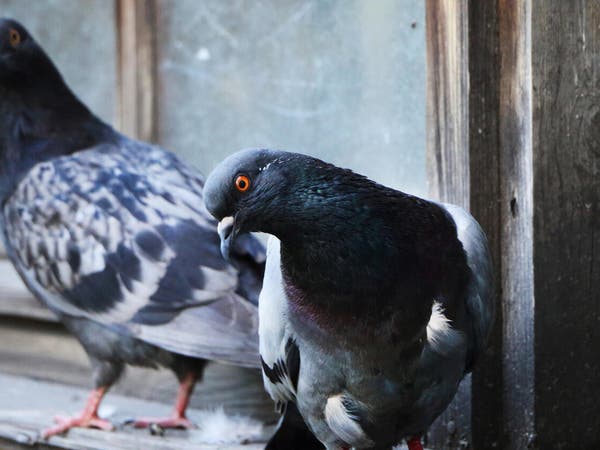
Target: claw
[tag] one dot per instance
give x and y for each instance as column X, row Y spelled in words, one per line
column 64, row 424
column 87, row 419
column 177, row 419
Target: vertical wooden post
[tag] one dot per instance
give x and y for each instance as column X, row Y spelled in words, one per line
column 516, row 218
column 448, row 164
column 566, row 221
column 533, row 127
column 487, row 205
column 136, row 24
column 447, row 100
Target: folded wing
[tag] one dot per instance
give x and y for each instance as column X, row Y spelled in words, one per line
column 121, row 236
column 480, row 290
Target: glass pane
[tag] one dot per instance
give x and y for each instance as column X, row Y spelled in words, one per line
column 342, row 80
column 81, row 42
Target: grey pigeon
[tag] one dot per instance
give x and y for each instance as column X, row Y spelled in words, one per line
column 375, row 303
column 113, row 236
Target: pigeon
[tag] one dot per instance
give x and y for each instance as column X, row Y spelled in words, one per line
column 113, row 236
column 375, row 303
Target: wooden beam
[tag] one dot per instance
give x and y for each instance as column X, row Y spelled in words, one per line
column 448, row 160
column 447, row 100
column 136, row 23
column 29, row 405
column 533, row 132
column 565, row 62
column 495, row 120
column 485, row 204
column 515, row 213
column 46, row 351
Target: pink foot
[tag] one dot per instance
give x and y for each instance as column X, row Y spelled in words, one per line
column 165, row 422
column 64, row 424
column 177, row 418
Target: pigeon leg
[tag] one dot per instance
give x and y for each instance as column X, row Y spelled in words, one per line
column 414, row 443
column 177, row 418
column 87, row 419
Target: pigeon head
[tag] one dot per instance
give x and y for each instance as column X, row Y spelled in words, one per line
column 29, row 80
column 13, row 35
column 244, row 193
column 40, row 117
column 289, row 195
column 13, row 39
column 23, row 63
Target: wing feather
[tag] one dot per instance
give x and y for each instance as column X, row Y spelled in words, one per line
column 480, row 299
column 120, row 235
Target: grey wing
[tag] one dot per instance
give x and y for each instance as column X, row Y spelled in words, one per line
column 480, row 295
column 280, row 355
column 226, row 330
column 94, row 237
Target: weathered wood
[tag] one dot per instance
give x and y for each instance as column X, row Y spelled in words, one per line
column 565, row 61
column 136, row 24
column 27, row 406
column 516, row 214
column 485, row 204
column 47, row 352
column 447, row 101
column 498, row 160
column 447, row 160
column 533, row 161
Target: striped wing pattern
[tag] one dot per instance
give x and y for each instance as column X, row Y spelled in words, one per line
column 120, row 235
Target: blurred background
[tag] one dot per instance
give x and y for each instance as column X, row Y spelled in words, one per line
column 342, row 80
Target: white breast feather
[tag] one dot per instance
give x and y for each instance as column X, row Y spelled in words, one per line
column 273, row 330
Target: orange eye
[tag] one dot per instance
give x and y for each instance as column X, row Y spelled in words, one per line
column 242, row 183
column 14, row 37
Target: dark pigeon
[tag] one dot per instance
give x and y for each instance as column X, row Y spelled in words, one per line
column 113, row 236
column 375, row 303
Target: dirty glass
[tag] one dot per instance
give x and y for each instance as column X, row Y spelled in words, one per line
column 343, row 80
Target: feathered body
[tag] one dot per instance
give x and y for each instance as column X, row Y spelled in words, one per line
column 375, row 303
column 112, row 234
column 118, row 234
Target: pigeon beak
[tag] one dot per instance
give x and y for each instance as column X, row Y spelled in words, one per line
column 227, row 233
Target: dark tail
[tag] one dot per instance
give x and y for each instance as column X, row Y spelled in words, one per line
column 292, row 433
